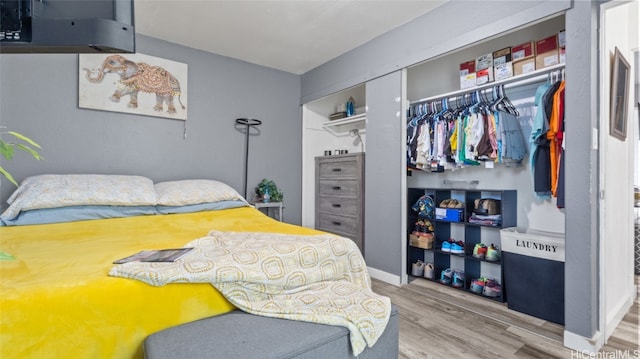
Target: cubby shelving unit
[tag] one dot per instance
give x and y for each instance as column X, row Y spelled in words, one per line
column 469, row 233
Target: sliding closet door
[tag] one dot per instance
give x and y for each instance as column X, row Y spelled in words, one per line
column 385, row 177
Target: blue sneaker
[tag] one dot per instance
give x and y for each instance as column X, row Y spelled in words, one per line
column 446, row 246
column 457, row 247
column 446, row 276
column 458, row 279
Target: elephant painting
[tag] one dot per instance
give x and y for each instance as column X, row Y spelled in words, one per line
column 136, row 77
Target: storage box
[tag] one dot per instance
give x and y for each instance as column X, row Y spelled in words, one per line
column 563, row 57
column 523, row 51
column 450, row 214
column 425, row 242
column 524, row 66
column 501, row 56
column 467, row 74
column 484, row 69
column 467, row 81
column 484, row 62
column 503, row 71
column 562, row 39
column 547, row 52
column 484, row 76
column 547, row 59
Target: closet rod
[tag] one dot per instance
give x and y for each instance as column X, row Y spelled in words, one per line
column 520, row 80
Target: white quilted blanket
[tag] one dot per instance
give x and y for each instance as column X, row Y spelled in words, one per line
column 315, row 278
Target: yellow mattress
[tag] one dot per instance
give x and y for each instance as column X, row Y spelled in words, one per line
column 56, row 300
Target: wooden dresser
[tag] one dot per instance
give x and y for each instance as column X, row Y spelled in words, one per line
column 340, row 196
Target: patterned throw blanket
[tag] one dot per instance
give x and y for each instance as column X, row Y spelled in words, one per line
column 314, row 278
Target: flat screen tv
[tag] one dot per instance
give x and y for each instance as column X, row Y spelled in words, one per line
column 67, row 26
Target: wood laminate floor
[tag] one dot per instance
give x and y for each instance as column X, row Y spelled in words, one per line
column 440, row 322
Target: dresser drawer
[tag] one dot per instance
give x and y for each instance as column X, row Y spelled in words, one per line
column 338, row 169
column 339, row 224
column 346, row 188
column 338, row 205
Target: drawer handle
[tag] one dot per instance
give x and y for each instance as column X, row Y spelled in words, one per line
column 337, row 169
column 337, row 188
column 336, row 205
column 336, row 223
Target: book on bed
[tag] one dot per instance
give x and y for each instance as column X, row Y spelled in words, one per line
column 156, row 255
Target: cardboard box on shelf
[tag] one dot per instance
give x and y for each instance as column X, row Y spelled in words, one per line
column 547, row 52
column 547, row 59
column 467, row 74
column 468, row 81
column 562, row 39
column 484, row 76
column 501, row 56
column 484, row 62
column 524, row 66
column 523, row 51
column 484, row 69
column 503, row 71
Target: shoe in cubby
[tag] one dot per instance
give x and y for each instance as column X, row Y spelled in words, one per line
column 480, row 251
column 477, row 285
column 458, row 279
column 457, row 247
column 429, row 271
column 493, row 253
column 417, row 269
column 446, row 276
column 446, row 246
column 492, row 288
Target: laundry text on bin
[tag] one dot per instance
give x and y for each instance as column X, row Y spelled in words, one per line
column 534, row 245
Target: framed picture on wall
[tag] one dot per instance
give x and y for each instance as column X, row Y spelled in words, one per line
column 133, row 83
column 620, row 76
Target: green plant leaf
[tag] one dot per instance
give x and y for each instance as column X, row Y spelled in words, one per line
column 24, row 138
column 8, row 176
column 33, row 152
column 7, row 150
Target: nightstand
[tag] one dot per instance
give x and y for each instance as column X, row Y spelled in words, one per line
column 271, row 209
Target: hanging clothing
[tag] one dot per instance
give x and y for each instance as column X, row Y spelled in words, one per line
column 546, row 141
column 552, row 135
column 513, row 148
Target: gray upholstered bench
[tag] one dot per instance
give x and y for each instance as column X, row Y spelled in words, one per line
column 241, row 335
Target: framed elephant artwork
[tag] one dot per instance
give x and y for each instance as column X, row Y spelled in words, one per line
column 133, row 83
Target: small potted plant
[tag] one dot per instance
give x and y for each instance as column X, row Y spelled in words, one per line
column 267, row 191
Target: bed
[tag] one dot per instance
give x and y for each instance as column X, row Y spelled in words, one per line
column 56, row 298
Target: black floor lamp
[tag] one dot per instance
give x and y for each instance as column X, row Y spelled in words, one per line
column 247, row 124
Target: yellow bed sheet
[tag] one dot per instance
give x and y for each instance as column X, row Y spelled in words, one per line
column 56, row 300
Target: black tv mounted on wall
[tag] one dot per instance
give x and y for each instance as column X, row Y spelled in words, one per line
column 67, row 26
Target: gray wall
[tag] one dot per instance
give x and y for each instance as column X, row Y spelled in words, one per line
column 39, row 98
column 581, row 229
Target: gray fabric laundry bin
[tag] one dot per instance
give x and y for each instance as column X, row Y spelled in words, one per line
column 241, row 335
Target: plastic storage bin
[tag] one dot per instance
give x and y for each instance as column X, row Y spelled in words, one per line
column 534, row 272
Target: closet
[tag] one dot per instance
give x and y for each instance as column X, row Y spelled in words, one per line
column 434, row 97
column 328, row 138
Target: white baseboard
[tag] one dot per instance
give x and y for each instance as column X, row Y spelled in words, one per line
column 581, row 344
column 384, row 276
column 616, row 318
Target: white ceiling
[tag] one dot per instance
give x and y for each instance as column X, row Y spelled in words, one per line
column 289, row 35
